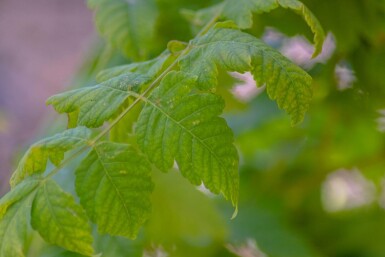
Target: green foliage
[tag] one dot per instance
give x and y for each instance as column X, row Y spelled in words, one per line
column 175, row 124
column 53, row 148
column 17, row 193
column 114, row 186
column 60, row 220
column 13, row 229
column 234, row 50
column 170, row 110
column 368, row 22
column 98, row 103
column 14, row 209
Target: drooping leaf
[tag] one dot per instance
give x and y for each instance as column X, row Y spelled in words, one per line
column 234, row 50
column 178, row 125
column 98, row 103
column 241, row 11
column 151, row 68
column 368, row 21
column 53, row 149
column 14, row 216
column 60, row 220
column 17, row 193
column 127, row 25
column 114, row 185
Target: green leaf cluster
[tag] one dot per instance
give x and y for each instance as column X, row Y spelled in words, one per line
column 177, row 124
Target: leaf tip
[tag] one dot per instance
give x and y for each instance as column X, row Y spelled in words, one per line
column 48, row 101
column 316, row 52
column 235, row 213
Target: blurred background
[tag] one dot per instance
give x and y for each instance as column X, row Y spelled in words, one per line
column 314, row 190
column 42, row 46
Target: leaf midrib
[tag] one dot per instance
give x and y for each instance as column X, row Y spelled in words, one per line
column 147, row 100
column 113, row 183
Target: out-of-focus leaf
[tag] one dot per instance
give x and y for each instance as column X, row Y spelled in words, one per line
column 127, row 25
column 194, row 225
column 271, row 235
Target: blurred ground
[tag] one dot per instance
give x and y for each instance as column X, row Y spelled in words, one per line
column 41, row 47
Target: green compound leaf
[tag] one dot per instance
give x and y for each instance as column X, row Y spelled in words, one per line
column 53, row 149
column 114, row 185
column 127, row 25
column 240, row 11
column 99, row 103
column 60, row 220
column 176, row 124
column 234, row 50
column 151, row 68
column 15, row 208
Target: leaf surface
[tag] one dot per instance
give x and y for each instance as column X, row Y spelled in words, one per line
column 233, row 50
column 98, row 103
column 114, row 185
column 13, row 229
column 240, row 11
column 53, row 149
column 15, row 208
column 60, row 220
column 176, row 124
